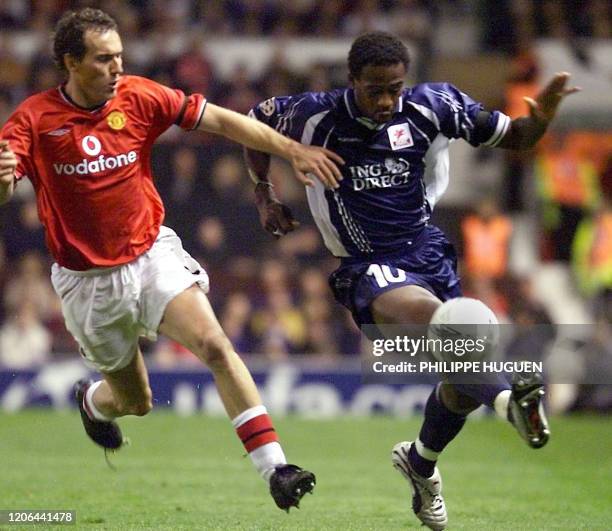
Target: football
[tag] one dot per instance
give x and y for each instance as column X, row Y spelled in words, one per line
column 465, row 329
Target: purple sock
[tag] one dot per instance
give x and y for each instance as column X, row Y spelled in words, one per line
column 483, row 388
column 439, row 428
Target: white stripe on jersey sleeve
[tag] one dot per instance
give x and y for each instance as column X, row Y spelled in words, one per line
column 503, row 123
column 316, row 198
column 427, row 112
column 437, row 168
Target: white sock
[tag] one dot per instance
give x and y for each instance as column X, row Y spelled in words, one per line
column 90, row 407
column 501, row 403
column 268, row 456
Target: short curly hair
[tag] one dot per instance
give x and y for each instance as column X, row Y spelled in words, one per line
column 68, row 37
column 376, row 48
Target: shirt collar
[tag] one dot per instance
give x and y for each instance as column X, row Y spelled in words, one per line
column 68, row 99
column 355, row 113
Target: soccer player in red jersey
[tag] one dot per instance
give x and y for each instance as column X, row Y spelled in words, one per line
column 119, row 272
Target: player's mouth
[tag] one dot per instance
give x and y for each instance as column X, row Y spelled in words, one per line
column 383, row 116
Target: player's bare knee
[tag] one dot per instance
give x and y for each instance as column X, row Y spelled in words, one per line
column 214, row 349
column 455, row 401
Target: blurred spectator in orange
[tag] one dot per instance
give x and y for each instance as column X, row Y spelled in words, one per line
column 486, row 241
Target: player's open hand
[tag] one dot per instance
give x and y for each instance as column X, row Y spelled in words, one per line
column 318, row 161
column 275, row 218
column 8, row 163
column 545, row 105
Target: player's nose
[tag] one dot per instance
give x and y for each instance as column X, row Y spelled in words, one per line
column 385, row 103
column 117, row 66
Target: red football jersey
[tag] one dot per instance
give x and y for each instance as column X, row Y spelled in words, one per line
column 91, row 168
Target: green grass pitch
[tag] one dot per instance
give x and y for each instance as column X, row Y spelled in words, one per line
column 189, row 473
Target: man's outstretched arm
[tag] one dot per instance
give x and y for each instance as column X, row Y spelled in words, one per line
column 275, row 217
column 525, row 132
column 258, row 136
column 8, row 165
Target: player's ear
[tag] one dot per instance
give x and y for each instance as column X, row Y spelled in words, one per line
column 70, row 62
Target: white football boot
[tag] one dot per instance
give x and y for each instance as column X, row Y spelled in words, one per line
column 427, row 500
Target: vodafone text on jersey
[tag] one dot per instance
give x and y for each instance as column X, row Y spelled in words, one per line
column 92, row 147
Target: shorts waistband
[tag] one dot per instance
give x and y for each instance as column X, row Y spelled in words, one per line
column 409, row 245
column 94, row 272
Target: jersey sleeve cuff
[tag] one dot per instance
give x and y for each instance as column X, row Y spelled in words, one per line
column 503, row 124
column 191, row 112
column 200, row 114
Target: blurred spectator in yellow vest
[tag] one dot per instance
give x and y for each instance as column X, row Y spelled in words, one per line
column 592, row 246
column 568, row 183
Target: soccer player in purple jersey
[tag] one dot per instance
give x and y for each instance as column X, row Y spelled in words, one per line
column 395, row 266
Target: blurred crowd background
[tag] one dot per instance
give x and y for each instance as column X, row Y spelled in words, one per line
column 533, row 229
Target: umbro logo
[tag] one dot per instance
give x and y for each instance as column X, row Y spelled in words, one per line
column 59, row 132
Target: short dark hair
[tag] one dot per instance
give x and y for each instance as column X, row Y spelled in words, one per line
column 69, row 33
column 376, row 48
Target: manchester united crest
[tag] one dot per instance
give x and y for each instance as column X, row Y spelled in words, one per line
column 116, row 120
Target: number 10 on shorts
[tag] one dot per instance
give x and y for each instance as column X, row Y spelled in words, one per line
column 384, row 276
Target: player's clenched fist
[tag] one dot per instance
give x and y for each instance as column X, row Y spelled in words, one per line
column 275, row 218
column 8, row 163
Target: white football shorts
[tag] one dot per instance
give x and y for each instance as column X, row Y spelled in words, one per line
column 108, row 309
